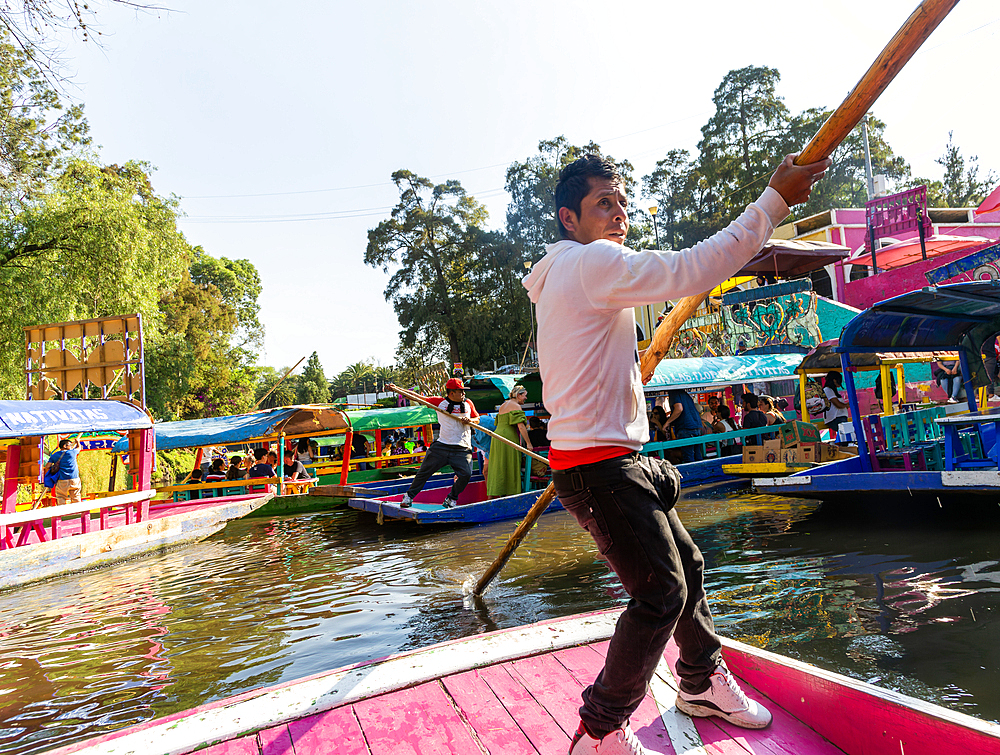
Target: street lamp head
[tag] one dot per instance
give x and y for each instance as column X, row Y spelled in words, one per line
column 653, row 207
column 527, row 264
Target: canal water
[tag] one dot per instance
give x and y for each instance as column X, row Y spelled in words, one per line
column 912, row 608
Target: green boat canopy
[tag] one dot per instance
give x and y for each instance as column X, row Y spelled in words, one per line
column 366, row 420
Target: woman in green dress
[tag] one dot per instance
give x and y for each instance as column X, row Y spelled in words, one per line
column 504, row 474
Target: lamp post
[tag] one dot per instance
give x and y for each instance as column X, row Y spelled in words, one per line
column 531, row 316
column 653, row 207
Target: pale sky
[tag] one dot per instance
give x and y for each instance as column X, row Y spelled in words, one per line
column 279, row 125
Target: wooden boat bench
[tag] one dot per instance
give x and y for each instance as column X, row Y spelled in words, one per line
column 136, row 510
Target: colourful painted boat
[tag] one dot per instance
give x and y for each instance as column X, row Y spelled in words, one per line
column 517, row 692
column 43, row 542
column 930, row 456
column 276, row 426
column 474, row 507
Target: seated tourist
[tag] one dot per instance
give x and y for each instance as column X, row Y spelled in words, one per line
column 216, row 472
column 293, row 468
column 236, row 469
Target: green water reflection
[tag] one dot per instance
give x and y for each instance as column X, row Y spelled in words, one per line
column 269, row 601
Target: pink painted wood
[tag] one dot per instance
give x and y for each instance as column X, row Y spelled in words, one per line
column 242, row 746
column 494, row 725
column 312, row 735
column 539, row 727
column 415, row 721
column 529, row 706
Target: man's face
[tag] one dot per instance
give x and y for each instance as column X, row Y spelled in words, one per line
column 603, row 214
column 457, row 396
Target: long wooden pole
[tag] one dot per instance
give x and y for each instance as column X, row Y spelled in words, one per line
column 900, row 49
column 414, row 397
column 275, row 386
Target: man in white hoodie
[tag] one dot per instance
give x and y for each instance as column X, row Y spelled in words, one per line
column 584, row 290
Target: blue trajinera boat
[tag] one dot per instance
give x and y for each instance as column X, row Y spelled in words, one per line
column 926, row 455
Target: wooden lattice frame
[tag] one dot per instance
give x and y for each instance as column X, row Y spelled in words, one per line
column 104, row 354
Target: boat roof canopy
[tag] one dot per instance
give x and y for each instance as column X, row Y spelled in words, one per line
column 718, row 372
column 825, row 358
column 19, row 419
column 935, row 318
column 239, row 428
column 366, row 420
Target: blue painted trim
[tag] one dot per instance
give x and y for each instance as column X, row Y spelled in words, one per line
column 852, row 401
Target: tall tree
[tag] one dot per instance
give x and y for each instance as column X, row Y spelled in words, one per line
column 746, row 136
column 961, row 185
column 39, row 132
column 428, row 241
column 273, row 391
column 312, row 386
column 197, row 366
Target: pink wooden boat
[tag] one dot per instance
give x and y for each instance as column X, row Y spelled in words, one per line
column 517, row 691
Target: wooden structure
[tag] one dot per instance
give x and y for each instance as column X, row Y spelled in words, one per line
column 517, row 692
column 103, row 355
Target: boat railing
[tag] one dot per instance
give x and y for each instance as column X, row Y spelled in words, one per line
column 136, row 505
column 231, row 488
column 334, row 467
column 660, row 447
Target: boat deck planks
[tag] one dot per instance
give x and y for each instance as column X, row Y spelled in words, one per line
column 523, row 707
column 314, row 733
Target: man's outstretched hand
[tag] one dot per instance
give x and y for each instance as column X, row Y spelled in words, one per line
column 794, row 182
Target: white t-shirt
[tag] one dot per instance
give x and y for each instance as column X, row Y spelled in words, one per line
column 834, row 411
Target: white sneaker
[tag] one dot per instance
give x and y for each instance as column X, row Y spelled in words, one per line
column 406, row 502
column 619, row 742
column 726, row 700
column 449, row 503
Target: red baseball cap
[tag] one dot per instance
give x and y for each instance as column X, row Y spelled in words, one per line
column 454, row 385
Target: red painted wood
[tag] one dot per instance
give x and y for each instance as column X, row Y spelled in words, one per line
column 538, row 726
column 56, row 521
column 242, row 746
column 276, row 741
column 494, row 725
column 416, row 721
column 319, row 734
column 85, row 522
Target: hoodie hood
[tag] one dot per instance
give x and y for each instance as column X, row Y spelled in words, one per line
column 535, row 280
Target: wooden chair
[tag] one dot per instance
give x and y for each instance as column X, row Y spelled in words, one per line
column 883, row 459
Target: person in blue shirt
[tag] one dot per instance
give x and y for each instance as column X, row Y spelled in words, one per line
column 68, row 488
column 686, row 421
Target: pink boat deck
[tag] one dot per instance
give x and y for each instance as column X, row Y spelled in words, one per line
column 522, row 707
column 158, row 509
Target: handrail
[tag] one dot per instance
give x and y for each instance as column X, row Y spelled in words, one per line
column 68, row 509
column 246, row 482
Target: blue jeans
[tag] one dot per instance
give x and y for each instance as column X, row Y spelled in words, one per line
column 627, row 504
column 689, row 453
column 441, row 455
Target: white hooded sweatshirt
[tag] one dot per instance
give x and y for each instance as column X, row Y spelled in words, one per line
column 584, row 295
